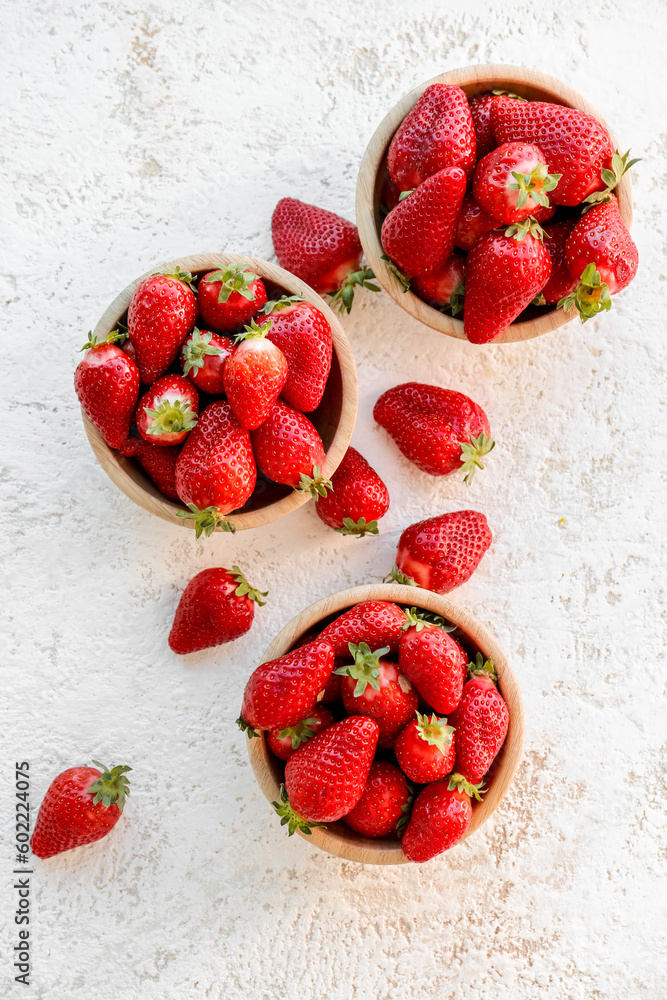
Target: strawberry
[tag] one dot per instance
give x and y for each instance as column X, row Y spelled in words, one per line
column 378, row 623
column 289, row 450
column 304, row 336
column 281, row 692
column 107, row 384
column 332, row 689
column 444, row 288
column 254, row 375
column 480, row 110
column 384, row 802
column 435, row 663
column 425, row 749
column 481, row 721
column 440, row 817
column 203, row 357
column 215, row 471
column 560, row 282
column 283, row 742
column 357, row 500
column 160, row 465
column 325, row 779
column 229, row 297
column 473, row 222
column 168, row 411
column 504, row 273
column 440, row 430
column 321, row 248
column 161, row 314
column 442, row 552
column 512, row 181
column 377, row 688
column 81, row 805
column 418, row 235
column 439, row 132
column 217, row 606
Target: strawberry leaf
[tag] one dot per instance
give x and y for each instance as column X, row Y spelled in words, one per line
column 404, row 280
column 247, row 729
column 245, row 590
column 111, row 787
column 472, row 453
column 344, row 297
column 358, row 528
column 206, row 520
column 291, row 819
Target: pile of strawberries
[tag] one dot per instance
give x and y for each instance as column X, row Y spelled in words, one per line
column 482, row 175
column 379, row 726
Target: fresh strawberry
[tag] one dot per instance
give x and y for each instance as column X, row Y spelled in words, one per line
column 216, row 471
column 473, row 222
column 217, row 606
column 504, row 273
column 512, row 181
column 289, row 450
column 229, row 297
column 418, row 235
column 542, row 213
column 435, row 663
column 377, row 688
column 81, row 805
column 304, row 336
column 480, row 109
column 283, row 742
column 281, row 692
column 107, row 384
column 442, row 552
column 444, row 288
column 168, row 411
column 160, row 465
column 203, row 357
column 384, row 802
column 481, row 721
column 161, row 314
column 440, row 430
column 378, row 623
column 254, row 375
column 561, row 282
column 425, row 749
column 357, row 500
column 332, row 689
column 440, row 817
column 439, row 132
column 326, row 777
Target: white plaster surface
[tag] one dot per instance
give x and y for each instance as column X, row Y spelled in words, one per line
column 135, row 133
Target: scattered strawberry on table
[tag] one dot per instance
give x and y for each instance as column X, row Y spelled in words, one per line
column 217, row 606
column 357, row 500
column 441, row 552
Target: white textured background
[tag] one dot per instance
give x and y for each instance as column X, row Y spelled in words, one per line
column 143, row 132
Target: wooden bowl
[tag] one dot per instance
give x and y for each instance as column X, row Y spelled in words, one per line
column 334, row 418
column 473, row 80
column 336, row 838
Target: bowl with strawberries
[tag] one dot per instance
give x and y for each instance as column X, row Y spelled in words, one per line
column 493, row 205
column 219, row 392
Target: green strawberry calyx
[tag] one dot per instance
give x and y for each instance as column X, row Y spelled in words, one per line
column 435, row 732
column 395, row 576
column 591, row 296
column 403, row 278
column 253, row 331
column 299, row 733
column 120, row 334
column 458, row 783
column 472, row 453
column 284, row 302
column 419, row 619
column 246, row 728
column 358, row 528
column 456, row 299
column 290, row 818
column 233, row 279
column 534, row 185
column 183, row 276
column 172, row 416
column 206, row 520
column 519, row 230
column 316, row 485
column 508, row 93
column 406, row 809
column 539, row 299
column 366, row 666
column 112, row 787
column 342, row 299
column 245, row 590
column 482, row 668
column 619, row 166
column 195, row 350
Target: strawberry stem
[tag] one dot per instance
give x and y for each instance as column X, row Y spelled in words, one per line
column 111, row 338
column 195, row 350
column 435, row 732
column 619, row 166
column 519, row 230
column 283, row 302
column 456, row 299
column 358, row 528
column 316, row 485
column 245, row 590
column 591, row 295
column 533, row 185
column 471, row 454
column 253, row 331
column 171, row 417
column 420, row 618
column 366, row 667
column 404, row 280
column 206, row 520
column 184, row 276
column 290, row 818
column 111, row 787
column 344, row 297
column 299, row 733
column 395, row 576
column 457, row 781
column 233, row 279
column 481, row 667
column 246, row 728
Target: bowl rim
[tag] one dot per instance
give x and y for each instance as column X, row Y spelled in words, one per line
column 132, row 480
column 335, row 838
column 473, row 80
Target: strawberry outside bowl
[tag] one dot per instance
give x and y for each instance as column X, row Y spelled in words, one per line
column 472, row 80
column 337, row 838
column 334, row 418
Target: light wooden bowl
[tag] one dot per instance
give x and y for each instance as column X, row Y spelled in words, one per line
column 473, row 80
column 334, row 418
column 336, row 838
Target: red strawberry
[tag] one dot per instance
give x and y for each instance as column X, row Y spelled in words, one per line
column 107, row 384
column 216, row 471
column 418, row 235
column 481, row 721
column 440, row 430
column 203, row 357
column 81, row 805
column 435, row 663
column 168, row 411
column 217, row 606
column 281, row 692
column 326, row 777
column 384, row 802
column 289, row 450
column 444, row 288
column 504, row 273
column 440, row 817
column 229, row 297
column 480, row 109
column 161, row 314
column 332, row 689
column 473, row 222
column 442, row 552
column 512, row 181
column 439, row 132
column 425, row 749
column 304, row 336
column 254, row 375
column 377, row 688
column 160, row 465
column 378, row 623
column 542, row 213
column 283, row 742
column 358, row 498
column 560, row 283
